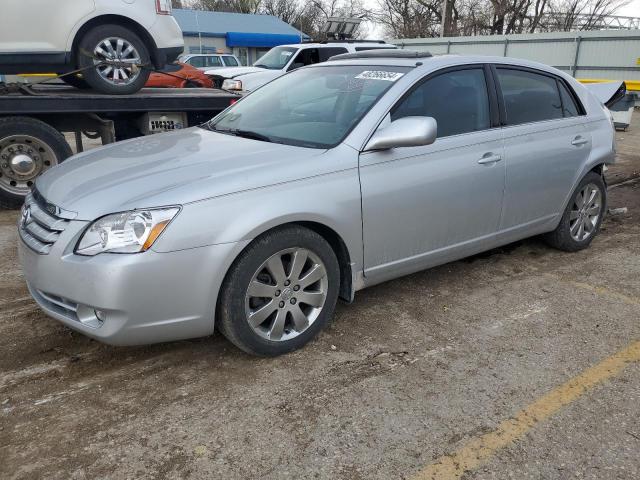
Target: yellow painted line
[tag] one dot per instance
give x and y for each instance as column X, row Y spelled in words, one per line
column 480, row 449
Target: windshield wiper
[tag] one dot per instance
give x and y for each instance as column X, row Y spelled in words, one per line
column 239, row 133
column 252, row 135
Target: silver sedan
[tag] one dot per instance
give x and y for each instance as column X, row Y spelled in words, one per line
column 325, row 181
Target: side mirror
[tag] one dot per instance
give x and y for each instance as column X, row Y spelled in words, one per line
column 405, row 132
column 296, row 65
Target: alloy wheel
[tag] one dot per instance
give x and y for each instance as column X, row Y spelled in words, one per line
column 585, row 213
column 117, row 61
column 286, row 294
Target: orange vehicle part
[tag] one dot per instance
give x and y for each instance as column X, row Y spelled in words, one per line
column 179, row 75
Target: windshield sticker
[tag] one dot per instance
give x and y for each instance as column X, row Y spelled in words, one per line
column 380, row 75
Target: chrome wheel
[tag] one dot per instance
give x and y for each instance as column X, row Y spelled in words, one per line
column 286, row 294
column 22, row 159
column 585, row 213
column 117, row 61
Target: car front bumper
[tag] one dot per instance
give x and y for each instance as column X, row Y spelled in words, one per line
column 128, row 299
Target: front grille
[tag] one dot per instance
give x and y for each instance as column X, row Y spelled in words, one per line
column 38, row 228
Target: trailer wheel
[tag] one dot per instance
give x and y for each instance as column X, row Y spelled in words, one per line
column 117, row 54
column 28, row 147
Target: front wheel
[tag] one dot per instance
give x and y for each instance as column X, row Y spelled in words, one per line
column 280, row 292
column 28, row 147
column 581, row 220
column 120, row 59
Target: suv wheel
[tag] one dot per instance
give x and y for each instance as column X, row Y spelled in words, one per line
column 121, row 60
column 582, row 217
column 280, row 292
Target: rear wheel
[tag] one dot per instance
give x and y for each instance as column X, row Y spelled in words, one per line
column 581, row 220
column 120, row 59
column 280, row 292
column 28, row 147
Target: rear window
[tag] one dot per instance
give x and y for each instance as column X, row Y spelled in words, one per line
column 230, row 61
column 529, row 97
column 214, row 62
column 328, row 52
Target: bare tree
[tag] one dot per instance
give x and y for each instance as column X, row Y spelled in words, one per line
column 422, row 18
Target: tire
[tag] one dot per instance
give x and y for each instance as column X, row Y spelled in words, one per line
column 566, row 236
column 236, row 305
column 75, row 81
column 107, row 81
column 39, row 145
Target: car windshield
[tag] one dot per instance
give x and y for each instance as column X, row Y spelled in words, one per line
column 276, row 58
column 312, row 107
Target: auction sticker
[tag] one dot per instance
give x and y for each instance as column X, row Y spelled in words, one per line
column 380, row 75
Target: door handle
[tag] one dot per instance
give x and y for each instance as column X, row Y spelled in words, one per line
column 489, row 159
column 579, row 141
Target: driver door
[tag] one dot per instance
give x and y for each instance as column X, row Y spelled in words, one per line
column 426, row 205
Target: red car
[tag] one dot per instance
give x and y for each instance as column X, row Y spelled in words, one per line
column 179, row 75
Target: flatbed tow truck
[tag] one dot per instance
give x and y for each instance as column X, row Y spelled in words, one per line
column 34, row 118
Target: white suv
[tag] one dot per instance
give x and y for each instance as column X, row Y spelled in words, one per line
column 283, row 59
column 110, row 39
column 209, row 61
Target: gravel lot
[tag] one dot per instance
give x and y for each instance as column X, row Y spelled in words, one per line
column 416, row 369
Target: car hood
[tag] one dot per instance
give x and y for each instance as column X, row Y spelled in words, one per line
column 171, row 169
column 232, row 72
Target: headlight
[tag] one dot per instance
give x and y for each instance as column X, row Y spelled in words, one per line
column 229, row 84
column 126, row 232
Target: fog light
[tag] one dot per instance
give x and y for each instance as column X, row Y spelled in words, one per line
column 100, row 315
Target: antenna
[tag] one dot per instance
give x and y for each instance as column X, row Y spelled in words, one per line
column 340, row 28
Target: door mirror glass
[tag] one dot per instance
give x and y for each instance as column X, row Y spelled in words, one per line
column 405, row 132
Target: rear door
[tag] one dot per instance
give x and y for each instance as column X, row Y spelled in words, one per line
column 422, row 205
column 546, row 142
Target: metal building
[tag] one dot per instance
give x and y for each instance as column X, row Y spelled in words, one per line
column 590, row 55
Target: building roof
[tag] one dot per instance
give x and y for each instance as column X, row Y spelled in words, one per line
column 219, row 24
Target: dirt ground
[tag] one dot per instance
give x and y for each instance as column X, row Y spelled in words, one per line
column 414, row 371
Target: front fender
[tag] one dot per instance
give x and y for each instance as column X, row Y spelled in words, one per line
column 332, row 200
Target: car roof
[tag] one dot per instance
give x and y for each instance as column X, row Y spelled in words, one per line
column 426, row 62
column 375, row 45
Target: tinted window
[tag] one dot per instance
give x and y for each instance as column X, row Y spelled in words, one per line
column 307, row 56
column 568, row 102
column 529, row 97
column 327, row 53
column 457, row 100
column 230, row 61
column 196, row 61
column 315, row 107
column 214, row 62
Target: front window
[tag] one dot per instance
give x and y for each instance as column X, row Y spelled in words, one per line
column 313, row 107
column 276, row 58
